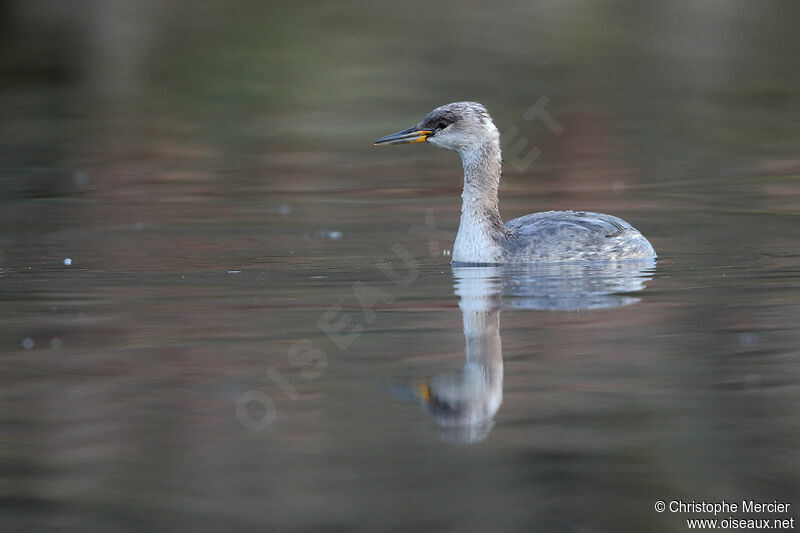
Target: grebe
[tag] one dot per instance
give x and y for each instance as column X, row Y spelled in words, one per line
column 547, row 237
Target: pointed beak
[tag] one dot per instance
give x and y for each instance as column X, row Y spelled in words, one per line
column 411, row 135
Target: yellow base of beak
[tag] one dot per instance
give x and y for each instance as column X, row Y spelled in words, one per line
column 424, row 391
column 405, row 137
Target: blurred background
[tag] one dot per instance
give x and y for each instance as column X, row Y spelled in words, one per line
column 161, row 109
column 207, row 169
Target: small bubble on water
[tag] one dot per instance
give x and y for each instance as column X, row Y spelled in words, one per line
column 284, row 209
column 80, row 178
column 234, row 271
column 748, row 339
column 55, row 343
column 68, row 261
column 330, row 234
column 27, row 343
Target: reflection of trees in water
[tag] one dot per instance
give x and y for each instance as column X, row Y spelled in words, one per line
column 74, row 76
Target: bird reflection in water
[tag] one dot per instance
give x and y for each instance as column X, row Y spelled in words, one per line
column 463, row 402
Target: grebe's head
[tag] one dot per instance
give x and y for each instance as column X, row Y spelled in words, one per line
column 460, row 126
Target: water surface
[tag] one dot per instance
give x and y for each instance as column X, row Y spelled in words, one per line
column 259, row 327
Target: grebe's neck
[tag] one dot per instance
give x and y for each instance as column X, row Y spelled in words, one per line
column 481, row 233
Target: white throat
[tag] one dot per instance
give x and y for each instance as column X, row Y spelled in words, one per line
column 481, row 233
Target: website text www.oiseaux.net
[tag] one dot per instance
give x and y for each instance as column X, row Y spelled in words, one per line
column 723, row 512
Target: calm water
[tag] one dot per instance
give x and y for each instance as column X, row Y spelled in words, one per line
column 259, row 328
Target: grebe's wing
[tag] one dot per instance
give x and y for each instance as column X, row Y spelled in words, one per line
column 575, row 235
column 577, row 222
